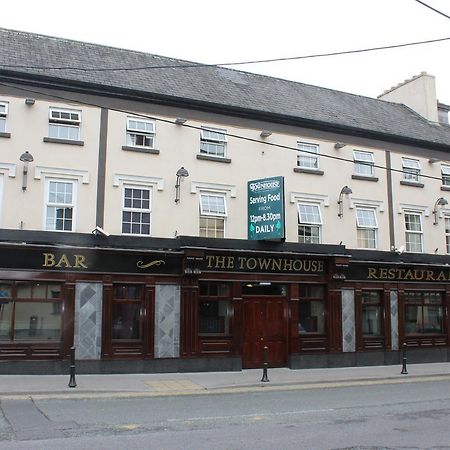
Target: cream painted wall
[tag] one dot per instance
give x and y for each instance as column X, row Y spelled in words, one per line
column 28, row 126
column 179, row 146
column 420, row 200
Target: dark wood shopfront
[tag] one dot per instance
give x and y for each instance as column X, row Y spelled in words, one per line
column 265, row 324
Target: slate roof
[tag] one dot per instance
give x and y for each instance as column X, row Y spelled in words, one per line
column 212, row 88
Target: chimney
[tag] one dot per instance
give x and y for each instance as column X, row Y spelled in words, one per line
column 418, row 93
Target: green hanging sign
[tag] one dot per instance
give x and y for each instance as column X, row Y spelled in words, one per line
column 266, row 208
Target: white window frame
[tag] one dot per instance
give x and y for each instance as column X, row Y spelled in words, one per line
column 445, row 171
column 212, row 140
column 135, row 131
column 47, row 204
column 2, row 178
column 3, row 116
column 132, row 209
column 418, row 233
column 62, row 127
column 447, row 233
column 411, row 170
column 308, row 155
column 364, row 163
column 317, row 225
column 216, row 215
column 362, row 228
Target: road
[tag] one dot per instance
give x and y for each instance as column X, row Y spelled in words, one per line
column 414, row 415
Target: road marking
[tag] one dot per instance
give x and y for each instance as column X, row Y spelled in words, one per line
column 253, row 416
column 178, row 384
column 128, row 426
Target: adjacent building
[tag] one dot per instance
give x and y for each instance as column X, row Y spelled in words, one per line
column 160, row 215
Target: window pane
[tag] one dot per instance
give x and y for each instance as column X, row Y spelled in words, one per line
column 126, row 321
column 312, row 291
column 413, row 222
column 371, row 313
column 312, row 317
column 366, row 218
column 212, row 227
column 363, row 163
column 424, row 313
column 366, row 238
column 127, row 292
column 37, row 321
column 6, row 308
column 214, row 134
column 5, row 291
column 447, row 233
column 214, row 317
column 2, row 124
column 309, row 234
column 210, row 148
column 212, row 204
column 308, row 155
column 309, row 213
column 414, row 243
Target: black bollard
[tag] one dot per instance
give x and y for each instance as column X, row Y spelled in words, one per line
column 264, row 378
column 72, row 382
column 404, row 371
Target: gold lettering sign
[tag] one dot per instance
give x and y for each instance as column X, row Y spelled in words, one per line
column 156, row 262
column 64, row 261
column 264, row 264
column 383, row 273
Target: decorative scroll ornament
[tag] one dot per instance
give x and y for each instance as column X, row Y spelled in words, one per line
column 156, row 262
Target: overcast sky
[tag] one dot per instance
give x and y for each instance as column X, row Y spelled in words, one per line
column 209, row 31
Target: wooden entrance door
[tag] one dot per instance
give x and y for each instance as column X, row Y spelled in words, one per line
column 265, row 324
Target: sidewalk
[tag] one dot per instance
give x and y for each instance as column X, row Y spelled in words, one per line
column 53, row 386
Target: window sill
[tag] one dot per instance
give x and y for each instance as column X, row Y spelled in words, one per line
column 412, row 183
column 5, row 135
column 445, row 188
column 311, row 171
column 63, row 141
column 364, row 178
column 153, row 151
column 214, row 158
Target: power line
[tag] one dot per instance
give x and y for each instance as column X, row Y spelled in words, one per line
column 199, row 128
column 237, row 63
column 433, row 9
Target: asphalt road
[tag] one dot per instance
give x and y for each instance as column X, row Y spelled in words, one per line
column 407, row 416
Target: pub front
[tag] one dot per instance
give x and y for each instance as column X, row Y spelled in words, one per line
column 196, row 304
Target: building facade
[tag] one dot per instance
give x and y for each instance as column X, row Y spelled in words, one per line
column 128, row 229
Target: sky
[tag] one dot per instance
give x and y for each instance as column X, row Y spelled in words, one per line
column 213, row 32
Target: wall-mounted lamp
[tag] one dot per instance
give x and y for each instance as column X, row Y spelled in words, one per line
column 265, row 133
column 441, row 201
column 180, row 120
column 26, row 158
column 433, row 160
column 344, row 191
column 339, row 145
column 30, row 101
column 181, row 173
